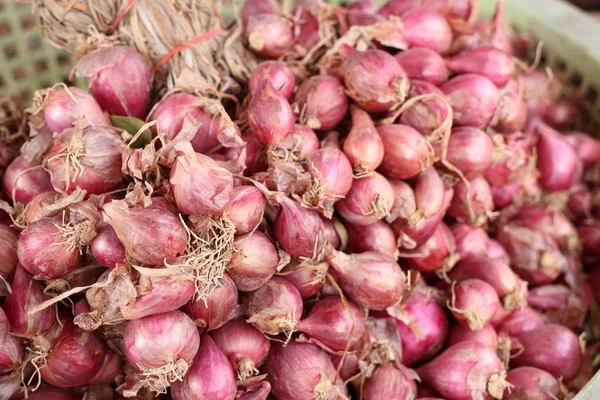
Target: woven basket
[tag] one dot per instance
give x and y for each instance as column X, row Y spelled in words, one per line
column 570, row 37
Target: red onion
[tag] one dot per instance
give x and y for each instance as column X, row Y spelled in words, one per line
column 424, row 64
column 210, row 377
column 407, row 153
column 172, row 112
column 558, row 163
column 8, row 251
column 270, row 116
column 269, row 35
column 244, row 345
column 48, row 249
column 245, row 208
column 471, row 150
column 552, row 223
column 496, row 273
column 424, row 28
column 472, row 204
column 254, row 261
column 466, row 370
column 374, row 80
column 363, row 146
column 559, row 304
column 276, row 74
column 331, row 179
column 425, row 115
column 511, row 114
column 88, row 158
column 486, row 335
column 112, row 367
column 251, row 8
column 562, row 114
column 520, row 321
column 218, row 308
column 198, row 184
column 321, row 102
column 429, row 193
column 75, row 356
column 473, row 98
column 150, row 234
column 297, row 146
column 437, row 253
column 106, row 247
column 474, row 302
column 470, row 241
column 174, row 341
column 377, row 237
column 119, row 79
column 390, row 381
column 539, row 91
column 334, row 323
column 534, row 255
column 298, row 230
column 22, row 180
column 369, row 200
column 589, row 233
column 373, row 280
column 532, row 383
column 64, row 107
column 486, row 61
column 308, row 279
column 496, row 250
column 405, row 202
column 422, row 326
column 553, row 348
column 27, row 294
column 275, row 307
column 586, row 147
column 286, row 364
column 507, row 165
column 11, row 348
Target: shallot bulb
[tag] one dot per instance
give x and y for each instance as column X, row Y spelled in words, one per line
column 254, row 261
column 270, row 116
column 174, row 341
column 286, row 364
column 520, row 321
column 151, row 235
column 560, row 304
column 553, row 348
column 75, row 356
column 251, row 8
column 210, row 377
column 473, row 98
column 473, row 203
column 437, row 253
column 119, row 79
column 112, row 367
column 27, row 294
column 217, row 309
column 377, row 237
column 23, row 180
column 180, row 112
column 557, row 161
column 64, row 107
column 422, row 326
column 374, row 80
column 474, row 303
column 334, row 323
column 106, row 247
column 363, row 145
column 11, row 350
column 405, row 202
column 369, row 200
column 269, row 35
column 496, row 250
column 274, row 73
column 297, row 146
column 589, row 233
column 372, row 279
column 48, row 249
column 471, row 150
column 511, row 114
column 466, row 370
column 423, row 64
column 470, row 241
column 275, row 307
column 580, row 202
column 245, row 208
column 298, row 230
column 486, row 335
column 390, row 381
column 586, row 147
column 8, row 251
column 562, row 114
column 321, row 102
column 407, row 152
column 244, row 345
column 531, row 383
column 198, row 184
column 429, row 114
column 308, row 279
column 486, row 61
column 424, row 28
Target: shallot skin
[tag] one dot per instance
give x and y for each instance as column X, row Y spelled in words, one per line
column 531, row 383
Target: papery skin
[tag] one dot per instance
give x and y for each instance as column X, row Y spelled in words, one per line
column 321, row 102
column 219, row 308
column 61, row 111
column 254, row 261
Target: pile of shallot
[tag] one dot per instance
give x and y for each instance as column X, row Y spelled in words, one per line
column 395, row 205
